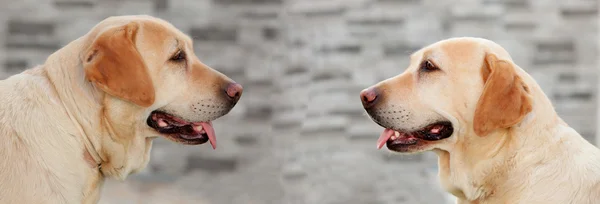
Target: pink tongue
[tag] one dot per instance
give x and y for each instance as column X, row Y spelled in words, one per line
column 384, row 137
column 210, row 131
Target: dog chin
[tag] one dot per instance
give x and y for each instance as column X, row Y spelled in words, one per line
column 182, row 131
column 412, row 149
column 415, row 141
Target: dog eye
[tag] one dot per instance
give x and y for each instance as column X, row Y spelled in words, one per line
column 179, row 56
column 428, row 66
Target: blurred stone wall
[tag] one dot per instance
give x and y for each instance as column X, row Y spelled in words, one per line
column 299, row 134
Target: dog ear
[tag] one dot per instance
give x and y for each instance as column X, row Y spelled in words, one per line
column 114, row 65
column 505, row 99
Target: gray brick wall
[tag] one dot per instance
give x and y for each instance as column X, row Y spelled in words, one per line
column 299, row 134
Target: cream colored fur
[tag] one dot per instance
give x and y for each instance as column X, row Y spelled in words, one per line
column 539, row 160
column 61, row 136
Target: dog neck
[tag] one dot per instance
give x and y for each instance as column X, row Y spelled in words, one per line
column 104, row 139
column 89, row 146
column 469, row 172
column 77, row 99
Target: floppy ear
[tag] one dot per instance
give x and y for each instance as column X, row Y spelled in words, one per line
column 505, row 99
column 114, row 65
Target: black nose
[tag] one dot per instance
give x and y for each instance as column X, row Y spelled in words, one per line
column 234, row 92
column 369, row 97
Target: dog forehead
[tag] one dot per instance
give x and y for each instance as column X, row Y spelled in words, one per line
column 450, row 53
column 476, row 46
column 164, row 29
column 461, row 52
column 158, row 28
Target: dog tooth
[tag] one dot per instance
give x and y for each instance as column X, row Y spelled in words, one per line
column 198, row 128
column 162, row 123
column 396, row 133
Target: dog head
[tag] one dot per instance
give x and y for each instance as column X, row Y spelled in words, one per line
column 153, row 84
column 451, row 89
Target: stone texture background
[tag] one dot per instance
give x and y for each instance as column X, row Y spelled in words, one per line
column 299, row 134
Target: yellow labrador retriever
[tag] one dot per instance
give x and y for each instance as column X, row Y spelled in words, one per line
column 93, row 108
column 496, row 134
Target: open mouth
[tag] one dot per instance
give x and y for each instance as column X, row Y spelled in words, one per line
column 179, row 130
column 400, row 139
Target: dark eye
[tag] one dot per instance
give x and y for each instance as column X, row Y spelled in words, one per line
column 428, row 66
column 178, row 57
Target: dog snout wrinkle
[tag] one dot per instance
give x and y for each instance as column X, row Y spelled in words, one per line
column 210, row 109
column 390, row 117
